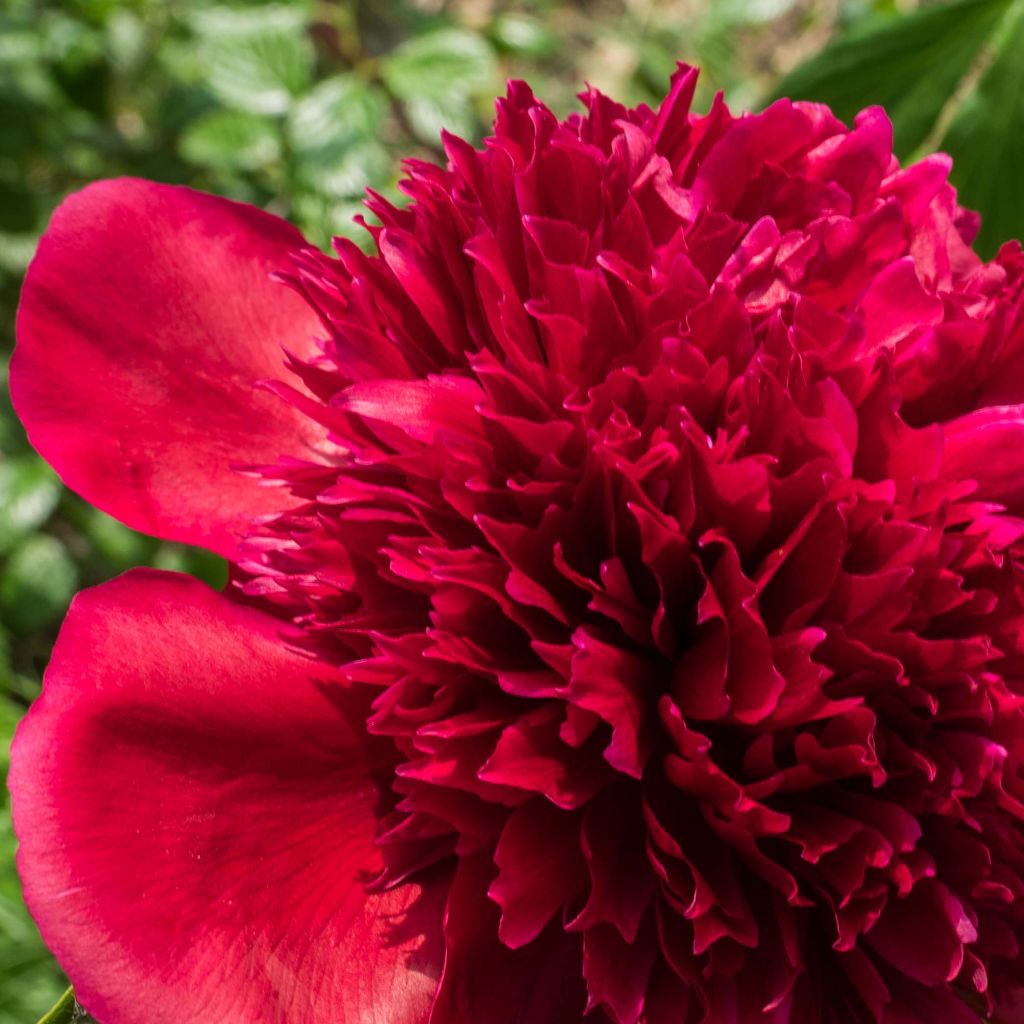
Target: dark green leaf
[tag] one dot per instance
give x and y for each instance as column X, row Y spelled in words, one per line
column 910, row 63
column 117, row 545
column 986, row 140
column 17, row 206
column 202, row 564
column 66, row 1011
column 37, row 584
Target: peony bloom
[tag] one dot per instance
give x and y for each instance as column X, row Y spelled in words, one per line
column 626, row 617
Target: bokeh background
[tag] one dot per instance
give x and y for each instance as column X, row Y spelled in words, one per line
column 298, row 105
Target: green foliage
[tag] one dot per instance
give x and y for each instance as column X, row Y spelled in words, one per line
column 986, row 136
column 298, row 105
column 951, row 76
column 255, row 59
column 65, row 1011
column 436, row 76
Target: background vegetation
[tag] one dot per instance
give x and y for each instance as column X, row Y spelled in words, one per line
column 298, row 105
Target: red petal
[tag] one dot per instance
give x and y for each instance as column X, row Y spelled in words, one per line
column 196, row 813
column 924, row 934
column 485, row 982
column 147, row 316
column 985, row 445
column 539, row 868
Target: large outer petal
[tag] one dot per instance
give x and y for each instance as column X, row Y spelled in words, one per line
column 195, row 809
column 147, row 317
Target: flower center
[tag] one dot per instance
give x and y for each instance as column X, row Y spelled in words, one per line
column 670, row 612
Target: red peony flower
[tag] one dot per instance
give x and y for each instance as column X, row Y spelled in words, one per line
column 626, row 617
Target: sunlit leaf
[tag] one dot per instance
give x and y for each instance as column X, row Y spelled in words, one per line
column 334, row 137
column 231, row 139
column 986, row 139
column 436, row 76
column 257, row 59
column 910, row 63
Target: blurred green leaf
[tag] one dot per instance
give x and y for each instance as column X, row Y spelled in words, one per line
column 436, row 74
column 334, row 137
column 17, row 206
column 15, row 251
column 986, row 139
column 750, row 12
column 126, row 40
column 231, row 140
column 429, row 115
column 257, row 59
column 29, row 492
column 440, row 62
column 910, row 63
column 202, row 564
column 340, row 111
column 523, row 35
column 37, row 584
column 114, row 543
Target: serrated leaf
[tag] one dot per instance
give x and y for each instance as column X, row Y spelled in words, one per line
column 257, row 59
column 340, row 111
column 986, row 139
column 37, row 584
column 333, row 134
column 232, row 140
column 29, row 492
column 440, row 65
column 910, row 63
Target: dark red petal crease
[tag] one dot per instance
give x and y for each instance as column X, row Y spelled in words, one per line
column 195, row 809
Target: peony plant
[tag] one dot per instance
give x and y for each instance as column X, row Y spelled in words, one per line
column 625, row 618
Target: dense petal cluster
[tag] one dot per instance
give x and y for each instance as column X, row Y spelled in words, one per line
column 670, row 526
column 651, row 521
